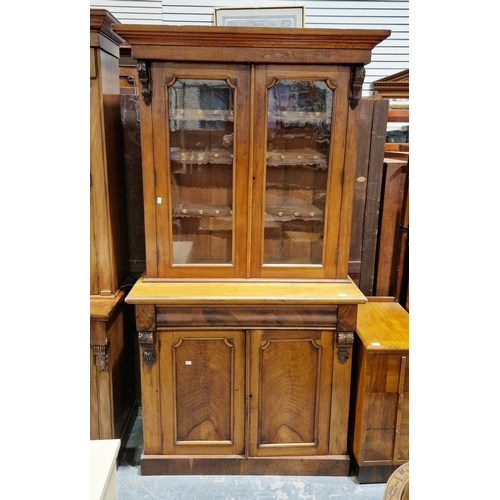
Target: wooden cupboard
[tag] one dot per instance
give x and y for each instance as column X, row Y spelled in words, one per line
column 245, row 377
column 379, row 422
column 245, row 313
column 108, row 231
column 112, row 396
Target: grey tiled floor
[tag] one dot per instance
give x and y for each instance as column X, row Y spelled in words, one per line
column 132, row 486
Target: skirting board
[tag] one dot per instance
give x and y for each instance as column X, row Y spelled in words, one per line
column 163, row 465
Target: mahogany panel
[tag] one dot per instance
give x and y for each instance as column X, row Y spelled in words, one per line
column 254, row 317
column 145, row 319
column 290, row 385
column 347, row 317
column 203, row 409
column 290, row 372
column 202, row 392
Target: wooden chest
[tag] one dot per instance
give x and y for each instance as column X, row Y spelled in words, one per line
column 379, row 419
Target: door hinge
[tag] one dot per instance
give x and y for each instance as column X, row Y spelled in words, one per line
column 157, row 256
column 337, row 256
column 154, row 177
column 342, row 177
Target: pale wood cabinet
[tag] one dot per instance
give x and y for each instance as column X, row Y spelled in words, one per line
column 379, row 424
column 246, row 313
column 112, row 395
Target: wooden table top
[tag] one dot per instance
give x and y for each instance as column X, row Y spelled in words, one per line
column 244, row 292
column 383, row 325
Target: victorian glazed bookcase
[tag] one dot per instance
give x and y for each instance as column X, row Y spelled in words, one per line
column 246, row 313
column 112, row 395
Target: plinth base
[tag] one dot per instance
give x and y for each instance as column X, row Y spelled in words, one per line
column 163, row 465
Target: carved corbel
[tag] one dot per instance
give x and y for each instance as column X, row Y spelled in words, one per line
column 145, row 79
column 345, row 340
column 101, row 358
column 356, row 85
column 147, row 343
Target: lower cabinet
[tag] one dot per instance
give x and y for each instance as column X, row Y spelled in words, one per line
column 112, row 377
column 267, row 399
column 379, row 427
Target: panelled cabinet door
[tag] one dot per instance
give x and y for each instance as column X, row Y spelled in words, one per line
column 290, row 392
column 300, row 143
column 201, row 154
column 202, row 392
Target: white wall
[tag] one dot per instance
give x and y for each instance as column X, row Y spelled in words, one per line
column 391, row 56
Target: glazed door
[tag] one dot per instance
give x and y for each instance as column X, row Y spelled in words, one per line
column 290, row 392
column 202, row 392
column 201, row 155
column 300, row 145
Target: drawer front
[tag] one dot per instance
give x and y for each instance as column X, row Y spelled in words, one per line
column 387, row 411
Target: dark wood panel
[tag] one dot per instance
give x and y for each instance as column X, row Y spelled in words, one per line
column 347, row 318
column 203, row 369
column 132, row 159
column 242, row 317
column 381, row 411
column 366, row 205
column 202, row 393
column 145, row 318
column 289, row 384
column 336, row 465
column 359, row 200
column 378, row 444
column 392, row 201
column 290, row 392
column 367, row 474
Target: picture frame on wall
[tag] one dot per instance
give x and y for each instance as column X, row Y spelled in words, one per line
column 267, row 17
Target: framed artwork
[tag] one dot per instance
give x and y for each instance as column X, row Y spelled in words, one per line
column 268, row 17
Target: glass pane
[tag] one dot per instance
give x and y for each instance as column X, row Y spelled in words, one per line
column 298, row 143
column 201, row 156
column 398, row 126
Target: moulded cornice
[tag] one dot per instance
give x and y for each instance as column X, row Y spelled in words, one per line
column 102, row 22
column 398, row 80
column 269, row 39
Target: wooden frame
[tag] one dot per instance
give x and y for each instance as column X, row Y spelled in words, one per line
column 270, row 17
